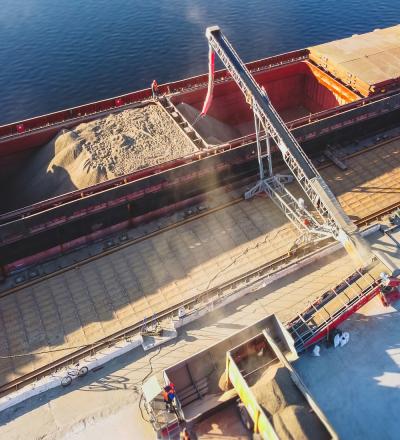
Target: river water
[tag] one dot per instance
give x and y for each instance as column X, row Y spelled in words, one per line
column 58, row 54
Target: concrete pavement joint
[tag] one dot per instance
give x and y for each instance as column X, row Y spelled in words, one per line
column 47, row 383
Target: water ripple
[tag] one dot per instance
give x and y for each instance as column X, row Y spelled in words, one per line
column 59, row 54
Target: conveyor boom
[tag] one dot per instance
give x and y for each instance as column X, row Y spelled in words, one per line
column 334, row 218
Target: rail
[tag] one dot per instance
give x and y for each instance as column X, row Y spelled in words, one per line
column 216, row 293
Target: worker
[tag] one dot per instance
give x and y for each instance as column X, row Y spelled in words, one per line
column 169, row 396
column 170, row 387
column 383, row 298
column 154, row 89
column 185, row 434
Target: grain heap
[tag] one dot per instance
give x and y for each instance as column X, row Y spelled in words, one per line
column 100, row 150
column 285, row 406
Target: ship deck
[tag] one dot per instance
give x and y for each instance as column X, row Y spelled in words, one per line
column 371, row 181
column 368, row 63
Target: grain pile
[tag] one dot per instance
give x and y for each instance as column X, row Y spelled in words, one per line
column 286, row 407
column 98, row 151
column 216, row 380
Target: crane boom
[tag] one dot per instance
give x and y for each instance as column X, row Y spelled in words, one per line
column 335, row 220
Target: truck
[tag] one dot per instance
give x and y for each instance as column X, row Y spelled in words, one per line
column 243, row 385
column 246, row 382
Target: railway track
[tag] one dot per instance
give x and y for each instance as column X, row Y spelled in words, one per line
column 215, row 292
column 173, row 226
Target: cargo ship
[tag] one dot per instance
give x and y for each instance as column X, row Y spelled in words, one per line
column 324, row 94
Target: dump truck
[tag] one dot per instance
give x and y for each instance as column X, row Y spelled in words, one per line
column 247, row 383
column 243, row 385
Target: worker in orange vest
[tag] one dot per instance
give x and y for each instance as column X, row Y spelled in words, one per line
column 169, row 396
column 154, row 89
column 185, row 434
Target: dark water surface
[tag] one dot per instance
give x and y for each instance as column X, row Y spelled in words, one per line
column 61, row 53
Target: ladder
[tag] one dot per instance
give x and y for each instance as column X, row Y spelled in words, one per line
column 165, row 423
column 334, row 221
column 301, row 218
column 187, row 129
column 333, row 307
column 151, row 327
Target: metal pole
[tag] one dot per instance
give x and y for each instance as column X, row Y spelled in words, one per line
column 260, row 162
column 269, row 155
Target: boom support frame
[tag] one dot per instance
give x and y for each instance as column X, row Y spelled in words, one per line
column 332, row 220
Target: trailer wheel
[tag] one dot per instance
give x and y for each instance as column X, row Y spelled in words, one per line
column 245, row 417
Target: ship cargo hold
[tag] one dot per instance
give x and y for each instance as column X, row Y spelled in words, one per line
column 321, row 95
column 297, row 90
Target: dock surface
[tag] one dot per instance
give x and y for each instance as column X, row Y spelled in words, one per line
column 360, row 381
column 110, row 393
column 89, row 301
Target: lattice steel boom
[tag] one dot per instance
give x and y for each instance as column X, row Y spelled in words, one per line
column 335, row 220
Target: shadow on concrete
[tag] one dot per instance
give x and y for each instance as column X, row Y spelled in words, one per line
column 120, row 374
column 357, row 386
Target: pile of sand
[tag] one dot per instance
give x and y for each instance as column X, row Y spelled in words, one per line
column 98, row 151
column 216, row 379
column 212, row 130
column 285, row 406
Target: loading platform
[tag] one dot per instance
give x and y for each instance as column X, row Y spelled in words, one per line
column 335, row 306
column 357, row 386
